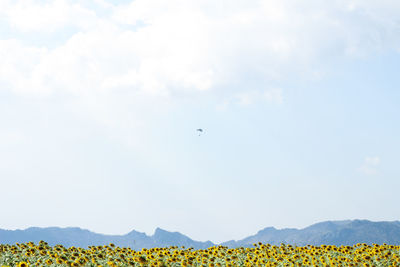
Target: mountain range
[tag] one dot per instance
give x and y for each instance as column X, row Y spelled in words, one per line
column 347, row 232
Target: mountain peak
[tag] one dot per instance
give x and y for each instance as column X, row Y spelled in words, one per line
column 160, row 230
column 162, row 234
column 267, row 229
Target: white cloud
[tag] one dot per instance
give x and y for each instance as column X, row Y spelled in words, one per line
column 119, row 74
column 370, row 166
column 18, row 66
column 189, row 46
column 32, row 15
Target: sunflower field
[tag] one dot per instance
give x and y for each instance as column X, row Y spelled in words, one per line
column 30, row 254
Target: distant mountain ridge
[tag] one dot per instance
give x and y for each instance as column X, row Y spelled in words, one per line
column 74, row 236
column 347, row 232
column 337, row 233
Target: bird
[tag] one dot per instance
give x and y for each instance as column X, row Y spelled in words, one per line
column 200, row 131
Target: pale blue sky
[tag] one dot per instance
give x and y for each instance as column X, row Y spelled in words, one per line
column 100, row 102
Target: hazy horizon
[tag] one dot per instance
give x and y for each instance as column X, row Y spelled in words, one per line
column 205, row 234
column 100, row 102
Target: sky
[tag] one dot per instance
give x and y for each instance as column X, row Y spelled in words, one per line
column 100, row 101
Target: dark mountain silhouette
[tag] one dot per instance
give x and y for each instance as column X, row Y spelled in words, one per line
column 337, row 233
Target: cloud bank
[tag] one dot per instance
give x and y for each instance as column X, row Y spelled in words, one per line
column 165, row 49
